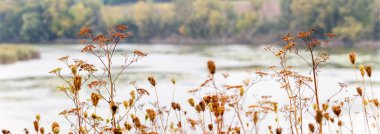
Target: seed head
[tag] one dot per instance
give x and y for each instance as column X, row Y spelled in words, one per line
column 337, row 110
column 211, row 66
column 42, row 130
column 38, row 117
column 362, row 70
column 319, row 116
column 77, row 82
column 278, row 130
column 359, row 90
column 152, row 80
column 55, row 127
column 36, row 125
column 352, row 57
column 151, row 114
column 311, row 127
column 95, row 99
column 113, row 107
column 191, row 102
column 368, row 70
column 210, row 126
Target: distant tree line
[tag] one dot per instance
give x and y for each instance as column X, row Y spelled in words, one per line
column 49, row 20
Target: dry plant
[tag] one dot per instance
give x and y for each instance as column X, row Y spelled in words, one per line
column 215, row 106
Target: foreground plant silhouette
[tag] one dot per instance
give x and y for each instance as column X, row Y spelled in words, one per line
column 213, row 106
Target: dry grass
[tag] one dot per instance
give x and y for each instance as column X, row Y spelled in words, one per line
column 13, row 53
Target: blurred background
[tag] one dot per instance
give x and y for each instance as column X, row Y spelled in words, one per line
column 180, row 37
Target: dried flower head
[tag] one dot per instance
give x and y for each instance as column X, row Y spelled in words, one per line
column 77, row 82
column 42, row 130
column 36, row 125
column 55, row 127
column 151, row 114
column 362, row 70
column 84, row 31
column 359, row 90
column 311, row 127
column 95, row 99
column 319, row 116
column 191, row 102
column 278, row 130
column 368, row 70
column 337, row 110
column 152, row 80
column 113, row 107
column 211, row 66
column 352, row 57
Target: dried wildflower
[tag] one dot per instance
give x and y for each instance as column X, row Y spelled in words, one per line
column 42, row 130
column 38, row 117
column 255, row 117
column 173, row 81
column 127, row 126
column 340, row 123
column 26, row 131
column 84, row 31
column 325, row 106
column 278, row 130
column 303, row 34
column 311, row 127
column 368, row 70
column 326, row 116
column 319, row 116
column 337, row 110
column 287, row 37
column 151, row 114
column 88, row 48
column 210, row 127
column 352, row 57
column 211, row 66
column 55, row 127
column 362, row 70
column 191, row 102
column 36, row 125
column 139, row 53
column 77, row 82
column 95, row 99
column 113, row 107
column 152, row 80
column 375, row 102
column 141, row 92
column 359, row 90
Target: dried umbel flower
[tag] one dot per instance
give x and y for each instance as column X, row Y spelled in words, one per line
column 368, row 70
column 55, row 127
column 359, row 90
column 352, row 57
column 151, row 114
column 375, row 102
column 337, row 110
column 77, row 82
column 278, row 130
column 84, row 31
column 113, row 107
column 211, row 66
column 36, row 125
column 311, row 127
column 152, row 80
column 95, row 99
column 362, row 70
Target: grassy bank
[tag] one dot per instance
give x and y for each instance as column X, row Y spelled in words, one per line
column 13, row 53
